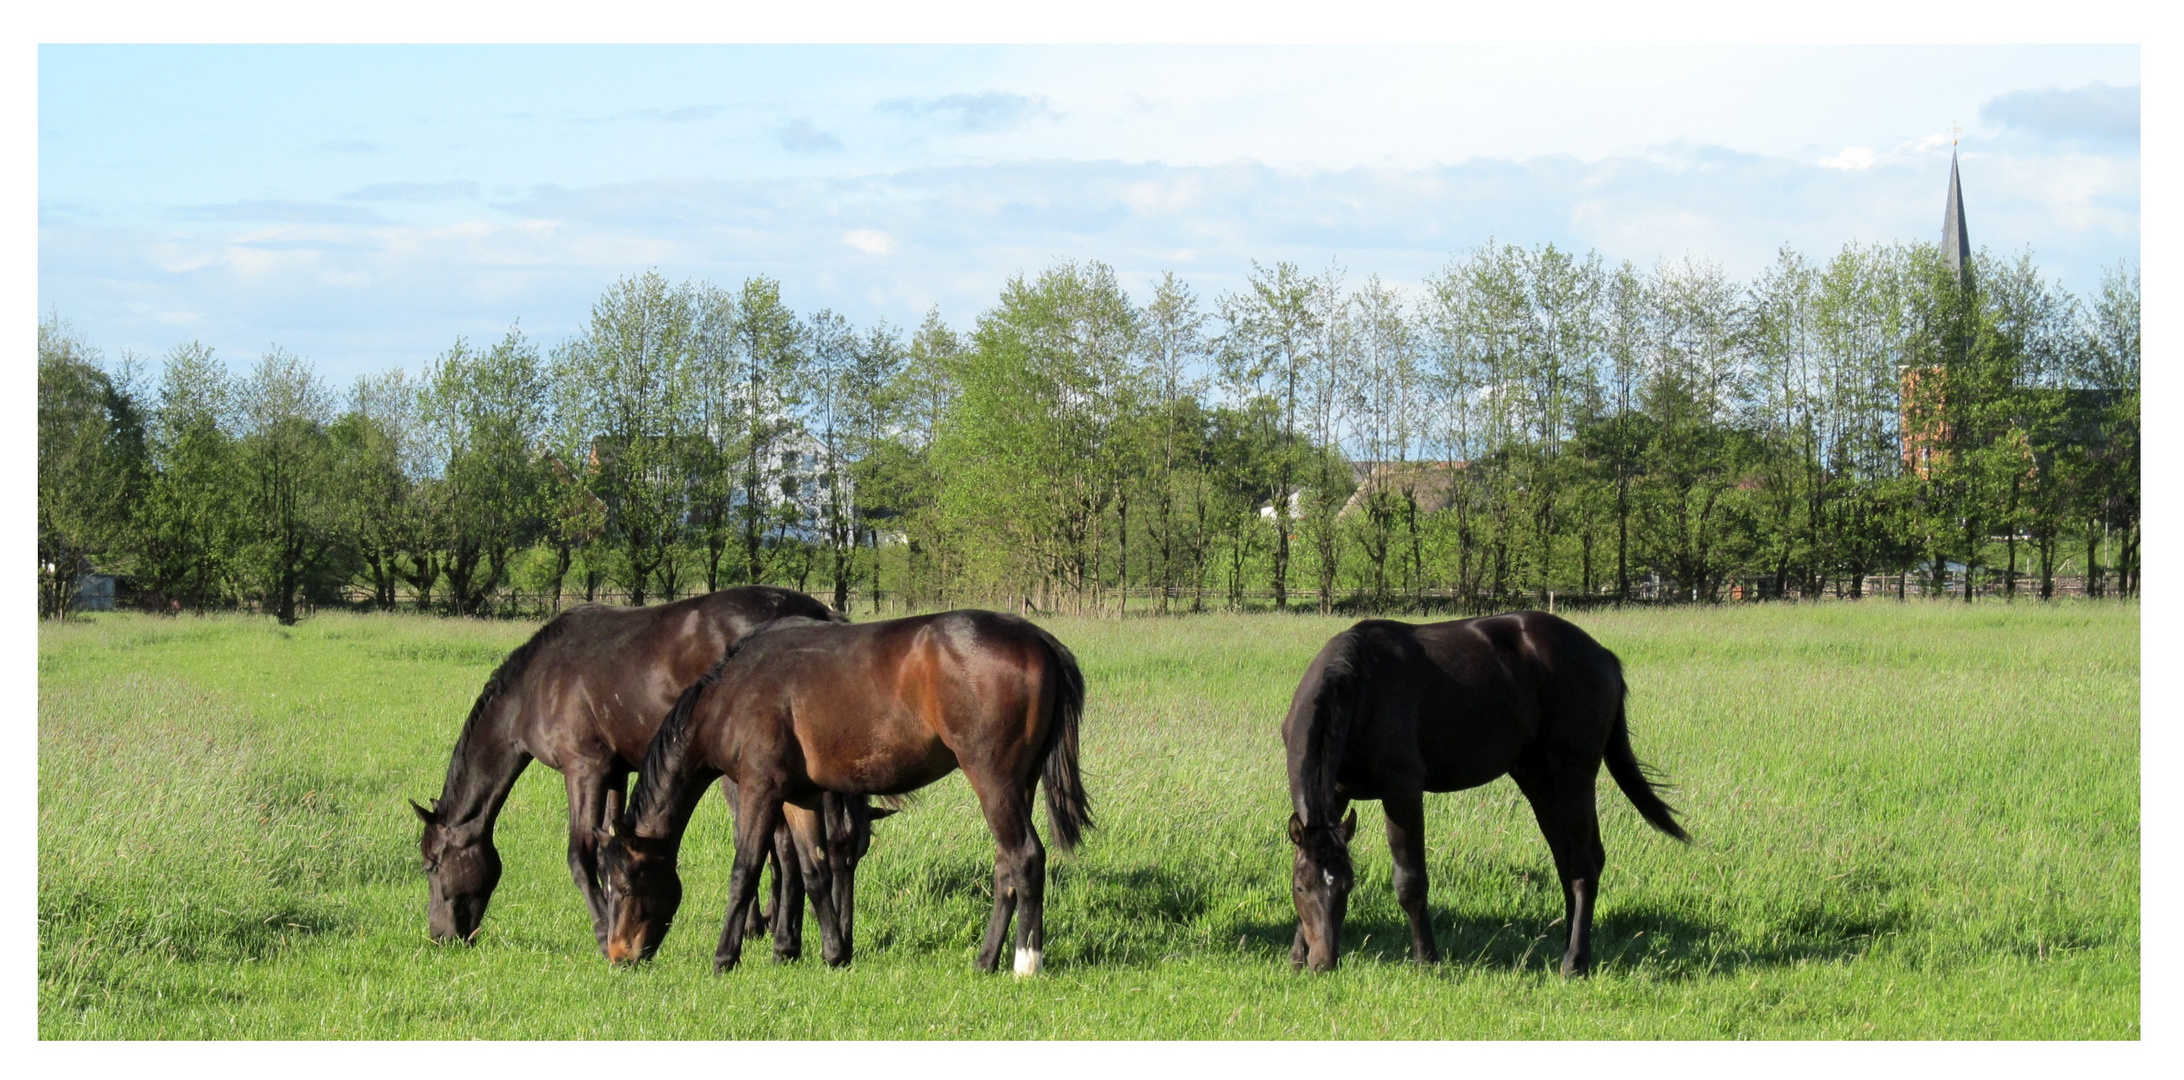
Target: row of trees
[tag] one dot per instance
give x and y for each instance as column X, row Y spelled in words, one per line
column 1529, row 421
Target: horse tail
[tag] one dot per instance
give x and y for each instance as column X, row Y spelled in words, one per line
column 1069, row 810
column 1639, row 781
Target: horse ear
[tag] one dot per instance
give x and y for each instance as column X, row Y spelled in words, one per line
column 423, row 814
column 1349, row 825
column 613, row 821
column 1296, row 830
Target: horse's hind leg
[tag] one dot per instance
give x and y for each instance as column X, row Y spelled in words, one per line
column 588, row 784
column 806, row 832
column 1019, row 875
column 787, row 915
column 1562, row 799
column 1407, row 842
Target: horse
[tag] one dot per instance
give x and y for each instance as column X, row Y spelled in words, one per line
column 878, row 708
column 1390, row 710
column 584, row 696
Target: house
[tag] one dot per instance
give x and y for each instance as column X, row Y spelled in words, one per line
column 1431, row 483
column 95, row 592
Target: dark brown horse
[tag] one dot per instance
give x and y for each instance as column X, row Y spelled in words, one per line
column 876, row 709
column 584, row 697
column 1390, row 711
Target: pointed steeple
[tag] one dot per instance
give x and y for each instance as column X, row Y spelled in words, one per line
column 1956, row 242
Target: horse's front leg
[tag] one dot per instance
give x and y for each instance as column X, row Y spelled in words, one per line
column 758, row 813
column 1407, row 842
column 754, row 925
column 588, row 784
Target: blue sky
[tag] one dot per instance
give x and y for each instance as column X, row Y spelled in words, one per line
column 365, row 205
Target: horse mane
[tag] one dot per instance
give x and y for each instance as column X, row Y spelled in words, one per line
column 509, row 672
column 1327, row 729
column 670, row 744
column 654, row 789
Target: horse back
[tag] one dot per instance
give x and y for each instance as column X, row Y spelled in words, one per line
column 604, row 683
column 1453, row 705
column 886, row 707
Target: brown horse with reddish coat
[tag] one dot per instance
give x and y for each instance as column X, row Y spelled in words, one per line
column 798, row 710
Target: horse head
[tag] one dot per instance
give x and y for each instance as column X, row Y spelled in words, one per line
column 638, row 876
column 461, row 868
column 1321, row 884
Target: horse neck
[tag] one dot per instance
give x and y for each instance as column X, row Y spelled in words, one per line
column 665, row 799
column 1324, row 729
column 482, row 771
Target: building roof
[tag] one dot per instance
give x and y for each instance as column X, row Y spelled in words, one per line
column 1956, row 241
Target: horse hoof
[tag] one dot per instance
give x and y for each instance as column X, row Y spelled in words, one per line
column 1028, row 962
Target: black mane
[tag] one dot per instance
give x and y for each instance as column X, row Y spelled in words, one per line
column 509, row 672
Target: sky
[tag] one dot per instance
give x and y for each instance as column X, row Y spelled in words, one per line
column 364, row 206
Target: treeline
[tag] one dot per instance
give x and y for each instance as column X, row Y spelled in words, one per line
column 1531, row 421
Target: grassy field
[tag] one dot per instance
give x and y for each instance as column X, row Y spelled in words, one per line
column 1912, row 821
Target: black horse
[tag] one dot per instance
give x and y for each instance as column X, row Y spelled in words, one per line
column 584, row 695
column 1390, row 711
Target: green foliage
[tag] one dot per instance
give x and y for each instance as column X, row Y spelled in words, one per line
column 1531, row 424
column 1892, row 842
column 90, row 464
column 290, row 506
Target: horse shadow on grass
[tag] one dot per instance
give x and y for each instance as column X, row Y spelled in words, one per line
column 1630, row 936
column 1143, row 914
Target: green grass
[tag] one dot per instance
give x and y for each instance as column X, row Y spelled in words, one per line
column 1913, row 821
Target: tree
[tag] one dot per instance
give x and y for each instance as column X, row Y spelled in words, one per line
column 1782, row 339
column 1265, row 347
column 372, row 475
column 870, row 408
column 487, row 414
column 772, row 346
column 1030, row 452
column 1172, row 343
column 188, row 525
column 1694, row 387
column 2107, row 363
column 832, row 382
column 90, row 464
column 1393, row 422
column 629, row 379
column 291, row 508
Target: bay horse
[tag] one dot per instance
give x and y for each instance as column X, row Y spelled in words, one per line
column 880, row 708
column 584, row 696
column 1391, row 710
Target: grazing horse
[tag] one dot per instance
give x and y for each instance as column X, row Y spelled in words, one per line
column 1390, row 711
column 584, row 696
column 879, row 708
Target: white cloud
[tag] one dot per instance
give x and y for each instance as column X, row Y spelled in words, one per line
column 1852, row 157
column 870, row 241
column 949, row 236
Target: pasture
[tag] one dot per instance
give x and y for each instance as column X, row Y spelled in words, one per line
column 1912, row 821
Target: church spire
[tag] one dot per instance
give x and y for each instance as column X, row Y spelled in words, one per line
column 1956, row 242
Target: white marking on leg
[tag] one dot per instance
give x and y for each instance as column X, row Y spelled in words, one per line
column 1027, row 961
